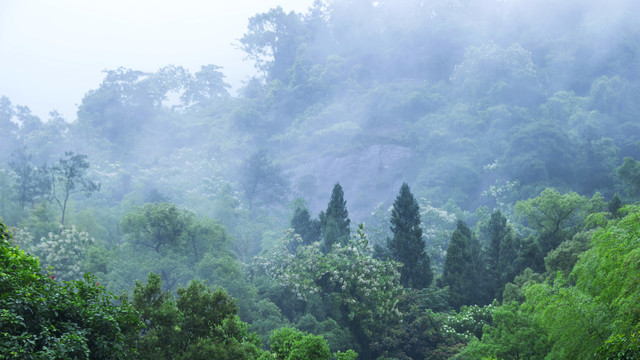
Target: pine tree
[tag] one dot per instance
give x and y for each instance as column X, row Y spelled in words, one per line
column 462, row 268
column 335, row 221
column 407, row 245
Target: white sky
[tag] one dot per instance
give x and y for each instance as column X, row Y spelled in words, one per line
column 53, row 51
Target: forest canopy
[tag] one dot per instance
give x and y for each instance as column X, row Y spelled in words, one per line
column 399, row 180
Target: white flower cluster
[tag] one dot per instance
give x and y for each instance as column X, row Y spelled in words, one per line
column 368, row 287
column 64, row 252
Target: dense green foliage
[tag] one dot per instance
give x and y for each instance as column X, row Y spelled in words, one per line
column 407, row 244
column 43, row 318
column 198, row 324
column 515, row 123
column 334, row 222
column 462, row 271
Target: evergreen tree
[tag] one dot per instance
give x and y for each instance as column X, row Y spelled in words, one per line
column 335, row 221
column 462, row 268
column 407, row 244
column 501, row 255
column 305, row 226
column 614, row 205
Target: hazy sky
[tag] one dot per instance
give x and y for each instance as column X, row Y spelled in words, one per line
column 53, row 52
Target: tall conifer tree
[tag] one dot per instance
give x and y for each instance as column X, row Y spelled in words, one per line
column 462, row 268
column 335, row 221
column 501, row 255
column 407, row 245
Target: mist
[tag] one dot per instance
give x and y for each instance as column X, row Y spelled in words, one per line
column 471, row 155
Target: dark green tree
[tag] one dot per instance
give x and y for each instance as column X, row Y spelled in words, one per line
column 199, row 323
column 407, row 244
column 501, row 255
column 305, row 226
column 158, row 227
column 43, row 318
column 335, row 221
column 70, row 177
column 462, row 268
column 614, row 205
column 629, row 173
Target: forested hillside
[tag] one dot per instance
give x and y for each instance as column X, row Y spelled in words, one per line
column 402, row 179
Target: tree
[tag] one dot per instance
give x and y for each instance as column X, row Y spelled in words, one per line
column 199, row 323
column 502, row 254
column 262, row 180
column 70, row 176
column 271, row 42
column 7, row 113
column 293, row 344
column 64, row 252
column 555, row 216
column 32, row 183
column 407, row 244
column 360, row 292
column 605, row 272
column 205, row 85
column 577, row 323
column 43, row 318
column 9, row 210
column 513, row 334
column 29, row 123
column 614, row 205
column 307, row 228
column 462, row 268
column 156, row 226
column 593, row 310
column 629, row 173
column 335, row 221
column 162, row 238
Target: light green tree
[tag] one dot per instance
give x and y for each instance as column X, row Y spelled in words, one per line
column 556, row 217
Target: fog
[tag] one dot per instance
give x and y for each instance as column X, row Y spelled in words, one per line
column 55, row 51
column 354, row 169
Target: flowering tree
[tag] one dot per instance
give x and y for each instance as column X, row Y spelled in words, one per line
column 64, row 252
column 45, row 319
column 347, row 278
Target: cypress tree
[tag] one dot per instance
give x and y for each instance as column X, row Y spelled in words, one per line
column 407, row 245
column 335, row 221
column 462, row 268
